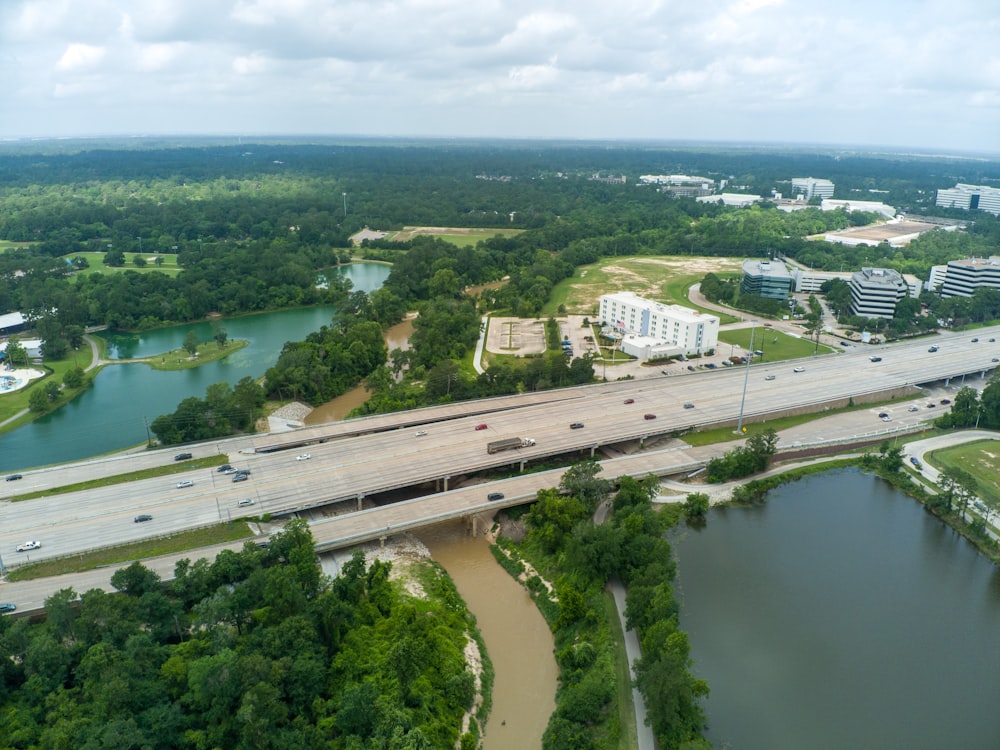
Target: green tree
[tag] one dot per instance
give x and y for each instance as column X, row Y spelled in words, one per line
column 38, row 401
column 191, row 343
column 696, row 505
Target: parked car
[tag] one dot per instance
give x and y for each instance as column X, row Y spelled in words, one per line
column 495, row 496
column 712, row 366
column 798, row 369
column 12, row 477
column 629, row 401
column 844, row 343
column 481, row 426
column 29, row 545
column 142, row 518
column 185, row 483
column 691, row 368
column 649, row 416
column 7, row 607
column 303, row 457
column 245, row 501
column 182, row 457
column 576, row 426
column 421, row 433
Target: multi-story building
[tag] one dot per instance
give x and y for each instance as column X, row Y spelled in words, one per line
column 766, row 278
column 875, row 292
column 963, row 277
column 812, row 187
column 970, row 198
column 650, row 329
column 690, row 186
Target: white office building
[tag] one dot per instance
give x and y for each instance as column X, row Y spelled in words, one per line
column 811, row 187
column 875, row 292
column 970, row 198
column 650, row 330
column 963, row 277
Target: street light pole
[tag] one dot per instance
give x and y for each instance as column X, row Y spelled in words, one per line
column 746, row 376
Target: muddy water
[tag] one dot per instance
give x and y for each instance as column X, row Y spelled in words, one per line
column 517, row 639
column 397, row 337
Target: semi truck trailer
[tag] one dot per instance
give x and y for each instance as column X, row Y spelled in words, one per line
column 508, row 444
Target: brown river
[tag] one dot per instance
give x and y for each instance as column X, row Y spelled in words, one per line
column 517, row 638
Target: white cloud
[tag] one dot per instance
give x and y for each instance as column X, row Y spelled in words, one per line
column 896, row 71
column 79, row 56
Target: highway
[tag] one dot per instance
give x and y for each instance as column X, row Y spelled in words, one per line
column 375, row 454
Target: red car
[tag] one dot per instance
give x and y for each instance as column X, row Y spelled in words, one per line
column 649, row 416
column 629, row 401
column 481, row 426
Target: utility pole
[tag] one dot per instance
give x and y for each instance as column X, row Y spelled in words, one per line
column 345, row 204
column 746, row 376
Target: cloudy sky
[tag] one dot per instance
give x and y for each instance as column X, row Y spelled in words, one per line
column 905, row 73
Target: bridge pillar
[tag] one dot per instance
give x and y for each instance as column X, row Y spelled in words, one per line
column 593, row 450
column 445, row 479
column 475, row 526
column 361, row 500
column 381, row 542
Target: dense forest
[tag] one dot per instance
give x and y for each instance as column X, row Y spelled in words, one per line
column 253, row 650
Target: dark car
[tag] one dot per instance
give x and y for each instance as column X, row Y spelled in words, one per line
column 7, row 606
column 649, row 416
column 142, row 518
column 975, row 341
column 712, row 366
column 629, row 401
column 932, row 349
column 882, row 414
column 691, row 368
column 915, row 461
column 576, row 426
column 240, row 477
column 688, row 405
column 13, row 477
column 224, row 468
column 182, row 457
column 875, row 359
column 495, row 496
column 946, row 401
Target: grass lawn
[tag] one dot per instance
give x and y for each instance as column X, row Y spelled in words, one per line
column 96, row 261
column 208, row 351
column 981, row 459
column 776, row 345
column 13, row 403
column 662, row 278
column 460, row 236
column 6, row 245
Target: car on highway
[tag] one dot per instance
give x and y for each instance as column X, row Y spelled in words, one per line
column 946, row 401
column 245, row 501
column 995, row 359
column 798, row 369
column 240, row 477
column 182, row 457
column 874, row 359
column 688, row 405
column 29, row 545
column 629, row 401
column 649, row 416
column 231, row 470
column 769, row 377
column 6, row 607
column 142, row 518
column 303, row 457
column 576, row 426
column 915, row 461
column 992, row 341
column 914, row 408
column 931, row 405
column 225, row 467
column 495, row 496
column 932, row 349
column 185, row 483
column 975, row 341
column 421, row 433
column 12, row 477
column 844, row 343
column 481, row 426
column 886, row 418
column 882, row 414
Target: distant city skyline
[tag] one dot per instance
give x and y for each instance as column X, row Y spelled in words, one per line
column 921, row 75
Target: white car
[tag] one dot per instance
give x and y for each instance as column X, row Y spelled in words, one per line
column 28, row 545
column 799, row 369
column 245, row 501
column 185, row 483
column 303, row 457
column 421, row 433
